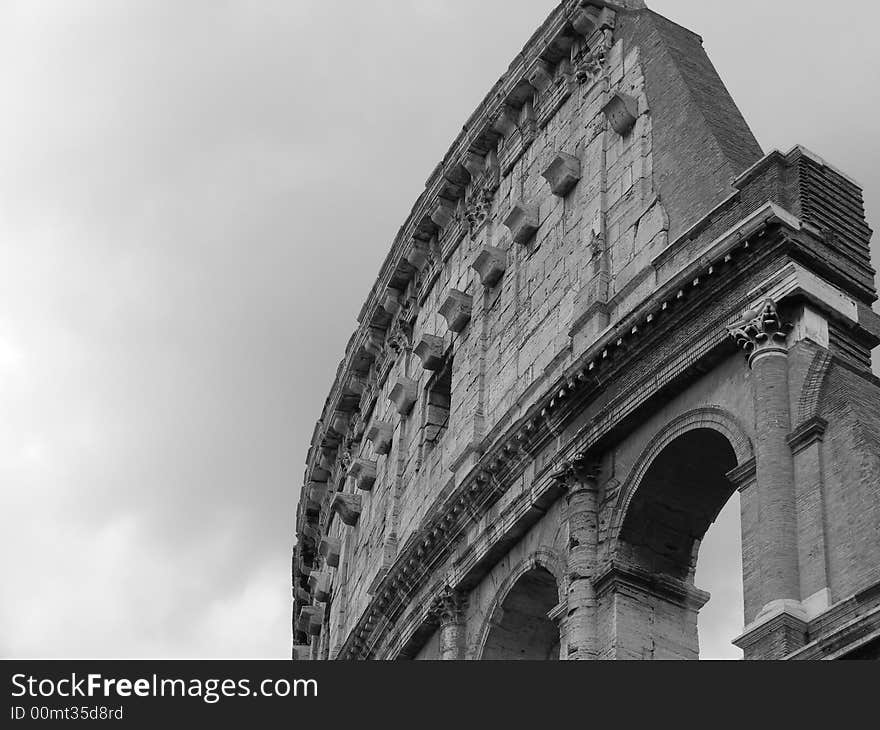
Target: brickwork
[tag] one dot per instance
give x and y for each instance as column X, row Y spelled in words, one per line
column 568, row 293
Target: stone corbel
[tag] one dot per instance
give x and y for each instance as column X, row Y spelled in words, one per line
column 523, row 222
column 301, row 594
column 363, row 471
column 474, row 163
column 404, row 395
column 585, row 21
column 563, row 173
column 322, row 587
column 348, row 507
column 490, row 265
column 330, row 549
column 340, row 422
column 312, row 533
column 457, row 310
column 317, row 491
column 430, row 351
column 621, row 113
column 419, row 255
column 507, row 120
column 540, row 74
column 304, row 620
column 380, row 434
column 391, row 300
column 443, row 212
column 316, row 621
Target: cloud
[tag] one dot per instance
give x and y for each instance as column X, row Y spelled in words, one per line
column 194, row 201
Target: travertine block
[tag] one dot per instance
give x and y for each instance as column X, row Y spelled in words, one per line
column 348, row 507
column 490, row 264
column 430, row 350
column 563, row 173
column 404, row 395
column 523, row 221
column 456, row 310
column 380, row 434
column 363, row 471
column 621, row 112
column 330, row 549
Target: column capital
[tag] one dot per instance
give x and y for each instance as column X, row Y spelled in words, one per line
column 761, row 332
column 449, row 607
column 578, row 474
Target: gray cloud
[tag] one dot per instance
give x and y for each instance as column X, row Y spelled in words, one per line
column 194, row 201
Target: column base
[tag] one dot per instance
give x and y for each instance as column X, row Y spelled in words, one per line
column 780, row 629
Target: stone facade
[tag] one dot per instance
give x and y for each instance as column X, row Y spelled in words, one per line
column 608, row 311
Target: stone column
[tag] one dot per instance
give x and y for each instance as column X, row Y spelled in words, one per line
column 450, row 611
column 579, row 627
column 763, row 336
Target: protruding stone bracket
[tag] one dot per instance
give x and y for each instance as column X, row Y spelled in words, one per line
column 540, row 74
column 301, row 595
column 316, row 621
column 322, row 587
column 317, row 491
column 563, row 173
column 457, row 310
column 330, row 549
column 621, row 112
column 430, row 351
column 474, row 163
column 419, row 255
column 363, row 471
column 404, row 395
column 304, row 620
column 348, row 507
column 490, row 264
column 443, row 212
column 312, row 533
column 391, row 300
column 523, row 222
column 380, row 434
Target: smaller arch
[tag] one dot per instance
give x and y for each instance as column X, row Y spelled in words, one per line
column 545, row 559
column 708, row 417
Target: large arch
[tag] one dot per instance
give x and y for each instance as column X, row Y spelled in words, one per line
column 674, row 494
column 518, row 625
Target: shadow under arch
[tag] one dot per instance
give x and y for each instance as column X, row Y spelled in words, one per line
column 674, row 494
column 518, row 625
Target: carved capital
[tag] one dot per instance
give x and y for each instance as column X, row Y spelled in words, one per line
column 578, row 474
column 450, row 607
column 457, row 310
column 761, row 330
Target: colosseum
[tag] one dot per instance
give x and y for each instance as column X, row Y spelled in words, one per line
column 608, row 312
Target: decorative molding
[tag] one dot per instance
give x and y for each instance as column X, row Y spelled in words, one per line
column 807, row 434
column 348, row 507
column 743, row 476
column 563, row 173
column 615, row 576
column 523, row 222
column 363, row 471
column 430, row 351
column 457, row 309
column 621, row 113
column 380, row 434
column 761, row 331
column 404, row 395
column 490, row 264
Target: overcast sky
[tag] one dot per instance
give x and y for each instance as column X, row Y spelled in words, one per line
column 195, row 198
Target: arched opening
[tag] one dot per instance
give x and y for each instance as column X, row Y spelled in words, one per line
column 521, row 626
column 680, row 496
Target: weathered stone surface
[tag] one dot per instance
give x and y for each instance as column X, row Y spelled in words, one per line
column 363, row 471
column 490, row 264
column 563, row 173
column 523, row 221
column 456, row 310
column 561, row 457
column 380, row 434
column 348, row 507
column 404, row 395
column 430, row 350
